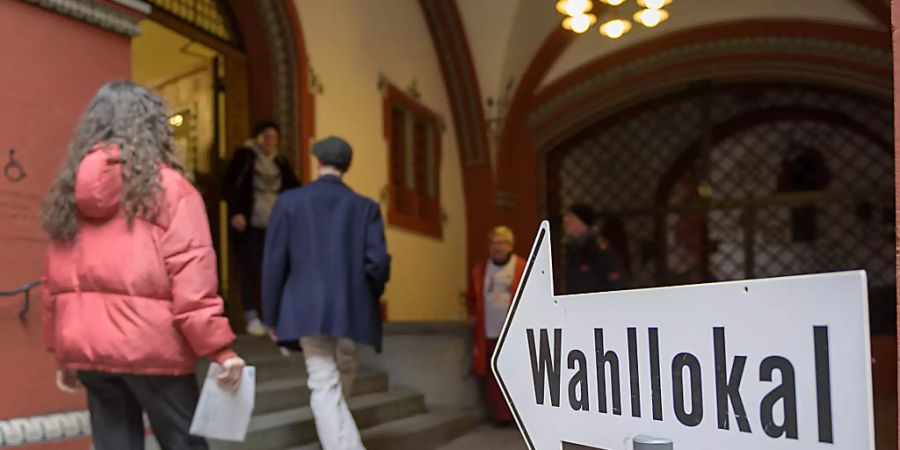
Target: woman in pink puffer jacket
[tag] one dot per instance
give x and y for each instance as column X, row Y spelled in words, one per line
column 130, row 285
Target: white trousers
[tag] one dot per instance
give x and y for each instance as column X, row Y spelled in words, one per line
column 331, row 364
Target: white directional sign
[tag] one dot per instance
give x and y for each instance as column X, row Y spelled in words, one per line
column 752, row 365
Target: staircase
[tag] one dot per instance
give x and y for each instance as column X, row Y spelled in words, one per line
column 388, row 418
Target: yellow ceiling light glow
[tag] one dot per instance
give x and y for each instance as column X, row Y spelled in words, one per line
column 613, row 2
column 177, row 120
column 574, row 7
column 615, row 29
column 654, row 4
column 580, row 23
column 651, row 17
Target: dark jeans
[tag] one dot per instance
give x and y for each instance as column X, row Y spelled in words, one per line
column 117, row 403
column 250, row 257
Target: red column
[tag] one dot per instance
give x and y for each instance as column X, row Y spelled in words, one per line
column 52, row 65
column 519, row 161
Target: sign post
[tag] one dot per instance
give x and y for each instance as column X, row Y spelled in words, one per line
column 650, row 443
column 780, row 363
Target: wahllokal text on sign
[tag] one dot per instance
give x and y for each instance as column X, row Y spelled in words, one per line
column 765, row 364
column 686, row 390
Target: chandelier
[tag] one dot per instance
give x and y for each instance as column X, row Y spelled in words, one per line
column 615, row 25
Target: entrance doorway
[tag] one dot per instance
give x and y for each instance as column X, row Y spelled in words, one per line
column 206, row 57
column 186, row 74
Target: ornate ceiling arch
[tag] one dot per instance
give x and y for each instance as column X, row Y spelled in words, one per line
column 763, row 50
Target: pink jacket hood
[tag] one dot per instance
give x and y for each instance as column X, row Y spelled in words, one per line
column 98, row 185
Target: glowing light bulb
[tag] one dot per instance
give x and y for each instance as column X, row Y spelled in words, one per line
column 574, row 7
column 580, row 23
column 613, row 2
column 177, row 120
column 705, row 190
column 615, row 29
column 651, row 17
column 653, row 4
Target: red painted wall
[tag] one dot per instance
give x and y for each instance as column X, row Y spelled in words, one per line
column 519, row 159
column 52, row 65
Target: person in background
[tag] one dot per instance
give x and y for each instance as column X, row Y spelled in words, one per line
column 255, row 176
column 590, row 265
column 130, row 279
column 614, row 238
column 492, row 285
column 325, row 268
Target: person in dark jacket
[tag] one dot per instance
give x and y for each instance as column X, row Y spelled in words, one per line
column 255, row 176
column 591, row 266
column 325, row 268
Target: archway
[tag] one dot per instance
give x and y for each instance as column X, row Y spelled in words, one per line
column 762, row 161
column 761, row 50
column 723, row 150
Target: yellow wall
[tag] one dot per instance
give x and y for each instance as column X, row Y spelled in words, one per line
column 349, row 44
column 182, row 73
column 194, row 92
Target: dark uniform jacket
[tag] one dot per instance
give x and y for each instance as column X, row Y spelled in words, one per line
column 592, row 267
column 238, row 188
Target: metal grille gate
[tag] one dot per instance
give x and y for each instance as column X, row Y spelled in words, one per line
column 208, row 15
column 738, row 181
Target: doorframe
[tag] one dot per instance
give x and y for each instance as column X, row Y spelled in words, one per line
column 271, row 62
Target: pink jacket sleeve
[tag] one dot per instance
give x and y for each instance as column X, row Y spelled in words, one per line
column 190, row 261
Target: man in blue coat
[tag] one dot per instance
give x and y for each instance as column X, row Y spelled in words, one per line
column 324, row 270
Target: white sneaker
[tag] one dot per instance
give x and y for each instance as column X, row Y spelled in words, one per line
column 256, row 328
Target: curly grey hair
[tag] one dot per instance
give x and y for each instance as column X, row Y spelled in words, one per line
column 134, row 118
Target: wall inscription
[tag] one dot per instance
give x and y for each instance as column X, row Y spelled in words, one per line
column 14, row 171
column 20, row 203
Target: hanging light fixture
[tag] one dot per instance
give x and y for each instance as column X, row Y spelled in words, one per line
column 579, row 23
column 653, row 4
column 614, row 22
column 615, row 29
column 651, row 17
column 574, row 8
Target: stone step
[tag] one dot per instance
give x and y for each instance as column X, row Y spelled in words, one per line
column 295, row 427
column 277, row 367
column 249, row 346
column 268, row 367
column 288, row 393
column 246, row 345
column 420, row 432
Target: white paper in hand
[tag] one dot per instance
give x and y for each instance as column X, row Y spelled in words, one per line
column 222, row 414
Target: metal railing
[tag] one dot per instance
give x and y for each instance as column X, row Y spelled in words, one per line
column 26, row 290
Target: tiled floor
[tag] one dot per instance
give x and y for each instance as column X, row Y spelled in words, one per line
column 488, row 438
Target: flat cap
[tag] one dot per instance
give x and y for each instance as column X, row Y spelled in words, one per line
column 333, row 151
